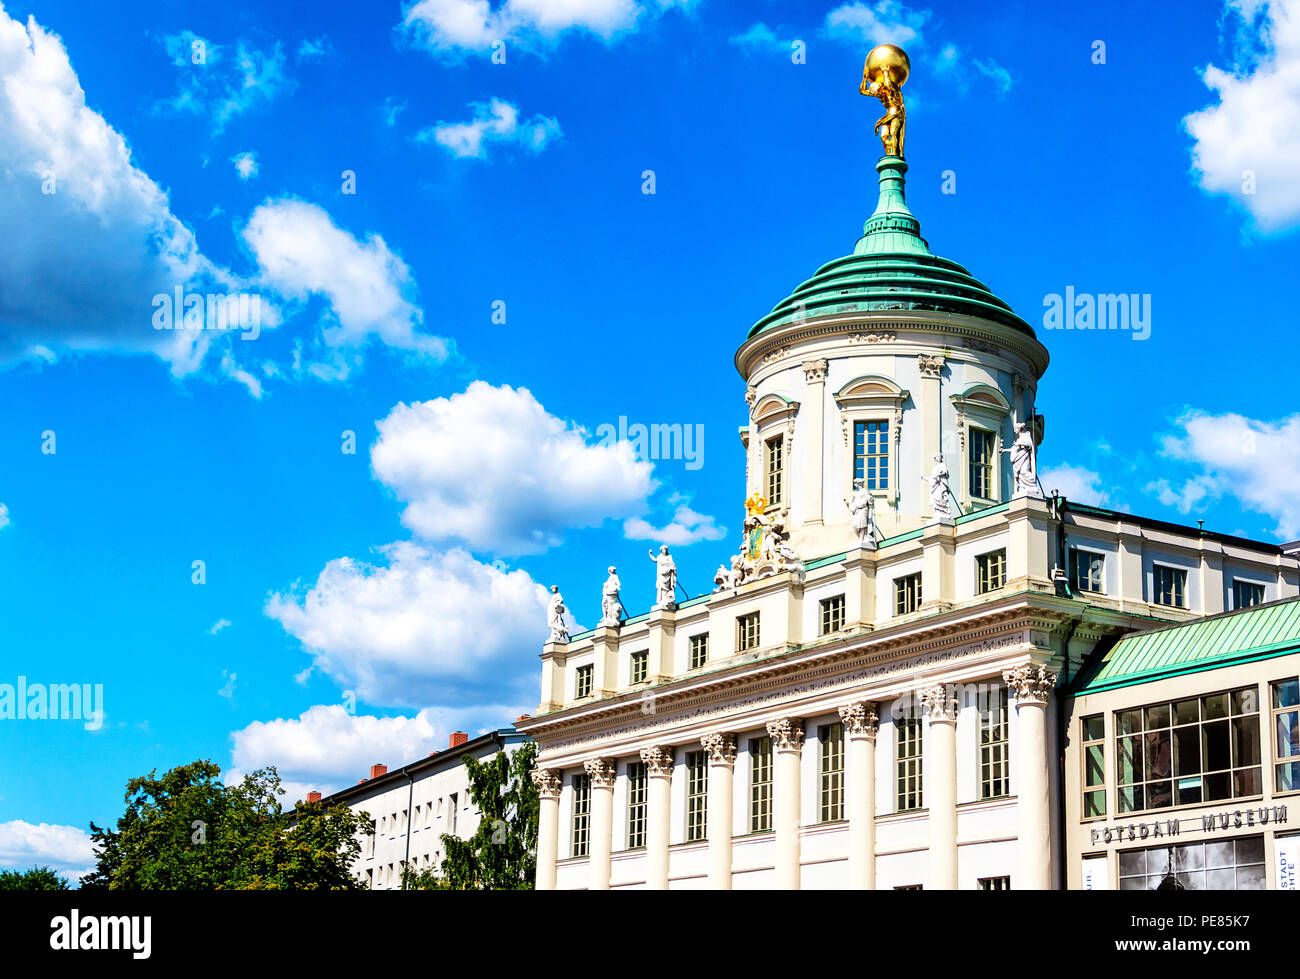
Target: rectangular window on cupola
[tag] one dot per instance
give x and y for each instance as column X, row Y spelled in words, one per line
column 775, row 468
column 871, row 454
column 981, row 464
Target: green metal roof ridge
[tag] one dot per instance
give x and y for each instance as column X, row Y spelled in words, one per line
column 1155, row 521
column 987, row 511
column 822, row 562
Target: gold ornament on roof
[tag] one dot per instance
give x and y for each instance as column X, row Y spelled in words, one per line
column 756, row 504
column 883, row 74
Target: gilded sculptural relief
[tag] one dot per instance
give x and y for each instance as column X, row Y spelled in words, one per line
column 883, row 75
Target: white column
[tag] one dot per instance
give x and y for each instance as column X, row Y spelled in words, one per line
column 940, row 785
column 659, row 776
column 860, row 724
column 1032, row 685
column 814, row 372
column 787, row 746
column 601, row 771
column 548, row 826
column 722, row 765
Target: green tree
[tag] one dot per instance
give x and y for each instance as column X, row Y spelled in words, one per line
column 186, row 830
column 502, row 854
column 35, row 879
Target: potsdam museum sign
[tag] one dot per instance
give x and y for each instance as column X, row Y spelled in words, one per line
column 1236, row 819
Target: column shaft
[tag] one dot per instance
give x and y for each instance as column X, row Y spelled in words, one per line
column 601, row 845
column 659, row 767
column 722, row 763
column 1032, row 686
column 860, row 723
column 787, row 747
column 548, row 827
column 940, row 785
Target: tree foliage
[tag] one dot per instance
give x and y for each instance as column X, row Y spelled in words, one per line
column 502, row 854
column 186, row 830
column 35, row 879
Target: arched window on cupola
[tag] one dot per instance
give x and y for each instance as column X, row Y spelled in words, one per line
column 871, row 417
column 982, row 415
column 771, row 440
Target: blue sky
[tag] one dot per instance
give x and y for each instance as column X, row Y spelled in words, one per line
column 455, row 261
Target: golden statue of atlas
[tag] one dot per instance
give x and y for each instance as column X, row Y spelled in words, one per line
column 883, row 75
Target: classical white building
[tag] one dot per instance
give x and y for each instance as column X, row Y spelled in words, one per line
column 413, row 806
column 869, row 699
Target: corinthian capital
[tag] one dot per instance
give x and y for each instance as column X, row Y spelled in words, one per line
column 1030, row 684
column 547, row 781
column 658, row 761
column 721, row 748
column 860, row 718
column 786, row 734
column 814, row 371
column 938, row 703
column 601, row 771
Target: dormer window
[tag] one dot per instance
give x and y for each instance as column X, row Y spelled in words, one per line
column 775, row 469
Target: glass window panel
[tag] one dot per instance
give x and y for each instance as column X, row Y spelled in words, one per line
column 1214, row 706
column 1245, row 701
column 1189, row 792
column 1245, row 741
column 1288, row 734
column 1250, row 878
column 1159, row 755
column 1187, row 750
column 1095, row 765
column 1286, row 693
column 1132, row 862
column 1094, row 728
column 1190, row 856
column 1187, row 711
column 1218, row 786
column 1194, row 881
column 1094, row 803
column 1288, row 776
column 1221, row 880
column 1129, row 762
column 1130, row 721
column 1217, row 748
column 1221, row 853
column 1160, row 795
column 1247, row 782
column 1133, row 884
column 1130, row 798
column 1250, row 849
column 1158, row 716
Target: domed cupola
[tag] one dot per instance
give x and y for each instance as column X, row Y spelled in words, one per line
column 886, row 361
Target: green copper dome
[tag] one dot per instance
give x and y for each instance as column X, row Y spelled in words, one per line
column 891, row 268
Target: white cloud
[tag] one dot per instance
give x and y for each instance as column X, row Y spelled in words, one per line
column 218, row 626
column 222, row 82
column 1257, row 462
column 1075, row 483
column 453, row 28
column 885, row 22
column 496, row 122
column 759, row 37
column 4, row 516
column 326, row 748
column 311, row 49
column 456, row 464
column 407, row 631
column 301, row 252
column 393, row 107
column 67, row 849
column 228, row 688
column 98, row 240
column 1247, row 144
column 245, row 164
column 686, row 527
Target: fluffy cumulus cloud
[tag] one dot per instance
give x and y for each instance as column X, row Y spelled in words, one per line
column 495, row 122
column 301, row 253
column 222, row 81
column 1256, row 462
column 245, row 165
column 686, row 527
column 1248, row 143
column 884, row 22
column 66, row 849
column 326, row 748
column 1076, row 483
column 417, row 627
column 91, row 238
column 453, row 28
column 456, row 464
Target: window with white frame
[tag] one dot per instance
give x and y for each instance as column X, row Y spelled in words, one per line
column 1286, row 725
column 991, row 571
column 775, row 468
column 697, row 796
column 1087, row 570
column 831, row 790
column 760, row 785
column 995, row 744
column 639, row 667
column 871, row 454
column 832, row 619
column 637, row 788
column 1246, row 593
column 981, row 456
column 907, row 594
column 581, row 835
column 746, row 632
column 699, row 651
column 584, row 676
column 908, row 762
column 1169, row 585
column 1093, row 741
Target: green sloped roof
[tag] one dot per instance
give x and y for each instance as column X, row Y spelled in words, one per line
column 891, row 268
column 1205, row 644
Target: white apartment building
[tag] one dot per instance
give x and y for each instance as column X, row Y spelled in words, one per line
column 413, row 806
